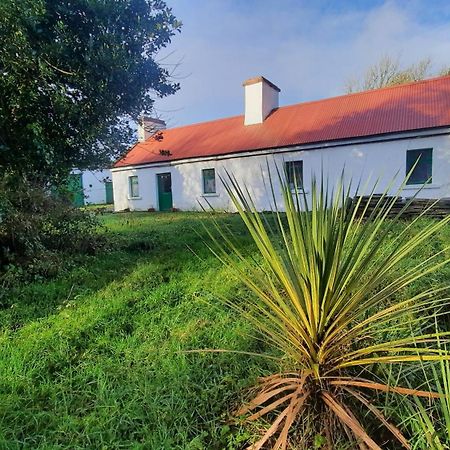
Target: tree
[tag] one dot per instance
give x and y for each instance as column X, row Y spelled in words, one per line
column 73, row 73
column 388, row 72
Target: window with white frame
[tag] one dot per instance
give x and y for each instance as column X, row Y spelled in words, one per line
column 294, row 174
column 209, row 181
column 133, row 186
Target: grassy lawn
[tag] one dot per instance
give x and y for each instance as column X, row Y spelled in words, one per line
column 94, row 358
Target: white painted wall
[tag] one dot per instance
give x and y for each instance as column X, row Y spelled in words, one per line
column 382, row 159
column 94, row 185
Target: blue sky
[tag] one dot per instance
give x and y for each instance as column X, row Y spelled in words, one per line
column 308, row 48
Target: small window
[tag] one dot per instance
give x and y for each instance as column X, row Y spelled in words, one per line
column 423, row 161
column 209, row 181
column 134, row 186
column 294, row 174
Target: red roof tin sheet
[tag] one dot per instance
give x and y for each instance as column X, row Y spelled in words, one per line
column 415, row 106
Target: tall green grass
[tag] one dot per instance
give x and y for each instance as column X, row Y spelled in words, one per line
column 95, row 358
column 429, row 422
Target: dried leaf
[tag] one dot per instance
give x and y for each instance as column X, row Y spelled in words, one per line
column 386, row 388
column 393, row 429
column 348, row 420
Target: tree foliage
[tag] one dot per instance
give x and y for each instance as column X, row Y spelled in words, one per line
column 389, row 72
column 71, row 71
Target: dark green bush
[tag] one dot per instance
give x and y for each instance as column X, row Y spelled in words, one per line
column 38, row 225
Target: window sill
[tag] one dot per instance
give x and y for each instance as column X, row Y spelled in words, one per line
column 134, row 198
column 211, row 195
column 414, row 187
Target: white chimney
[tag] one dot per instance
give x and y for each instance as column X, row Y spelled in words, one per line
column 147, row 126
column 261, row 97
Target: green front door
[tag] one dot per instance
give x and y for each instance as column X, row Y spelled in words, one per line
column 164, row 191
column 109, row 192
column 75, row 188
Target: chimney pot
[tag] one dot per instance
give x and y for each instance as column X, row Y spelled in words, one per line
column 148, row 126
column 261, row 98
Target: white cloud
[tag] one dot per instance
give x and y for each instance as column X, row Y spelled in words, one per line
column 308, row 51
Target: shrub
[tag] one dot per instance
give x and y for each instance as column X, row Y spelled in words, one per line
column 37, row 223
column 329, row 296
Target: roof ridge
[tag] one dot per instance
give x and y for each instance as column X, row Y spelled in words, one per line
column 353, row 94
column 350, row 94
column 204, row 122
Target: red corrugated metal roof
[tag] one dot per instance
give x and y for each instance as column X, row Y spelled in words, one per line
column 424, row 104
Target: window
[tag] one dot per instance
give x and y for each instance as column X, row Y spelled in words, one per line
column 423, row 159
column 294, row 174
column 134, row 186
column 209, row 181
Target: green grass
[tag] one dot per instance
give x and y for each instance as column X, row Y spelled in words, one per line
column 94, row 358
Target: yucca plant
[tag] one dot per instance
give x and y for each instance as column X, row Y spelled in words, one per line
column 327, row 294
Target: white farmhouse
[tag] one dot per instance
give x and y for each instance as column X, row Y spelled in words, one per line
column 91, row 187
column 372, row 134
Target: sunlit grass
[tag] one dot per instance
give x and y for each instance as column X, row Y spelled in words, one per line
column 95, row 358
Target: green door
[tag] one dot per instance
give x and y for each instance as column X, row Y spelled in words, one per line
column 109, row 192
column 165, row 191
column 75, row 188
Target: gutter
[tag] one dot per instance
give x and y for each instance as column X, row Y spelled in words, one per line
column 385, row 137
